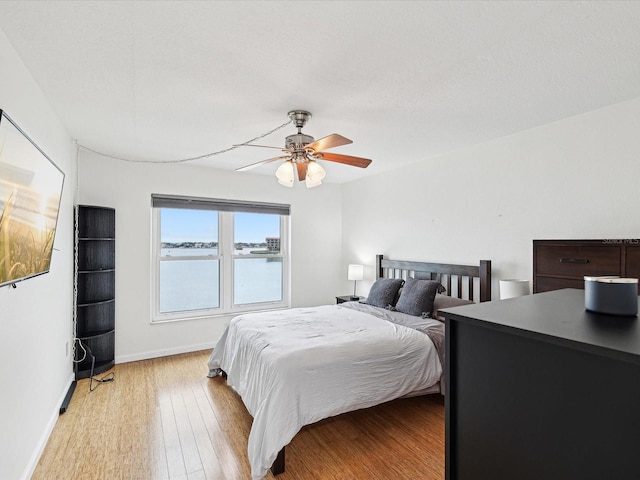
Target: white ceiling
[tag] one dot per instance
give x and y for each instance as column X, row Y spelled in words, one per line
column 406, row 81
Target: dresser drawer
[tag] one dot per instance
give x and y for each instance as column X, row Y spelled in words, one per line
column 577, row 261
column 546, row 284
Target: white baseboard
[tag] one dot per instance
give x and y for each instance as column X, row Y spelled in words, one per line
column 163, row 353
column 53, row 418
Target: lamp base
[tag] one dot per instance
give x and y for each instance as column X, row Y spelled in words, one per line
column 354, row 297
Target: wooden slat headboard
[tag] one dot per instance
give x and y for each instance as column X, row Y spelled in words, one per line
column 458, row 279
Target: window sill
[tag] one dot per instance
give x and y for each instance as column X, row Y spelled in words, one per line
column 207, row 316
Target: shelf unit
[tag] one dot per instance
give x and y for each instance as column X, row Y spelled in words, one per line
column 95, row 325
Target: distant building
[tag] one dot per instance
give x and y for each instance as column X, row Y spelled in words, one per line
column 273, row 244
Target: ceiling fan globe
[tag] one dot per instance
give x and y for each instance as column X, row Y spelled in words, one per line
column 285, row 174
column 315, row 174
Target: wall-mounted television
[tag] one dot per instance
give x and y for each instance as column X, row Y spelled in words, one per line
column 30, row 194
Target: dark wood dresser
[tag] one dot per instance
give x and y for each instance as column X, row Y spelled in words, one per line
column 540, row 388
column 564, row 263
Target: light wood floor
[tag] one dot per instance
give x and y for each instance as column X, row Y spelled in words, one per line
column 164, row 419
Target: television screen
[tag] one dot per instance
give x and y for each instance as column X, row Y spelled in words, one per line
column 30, row 193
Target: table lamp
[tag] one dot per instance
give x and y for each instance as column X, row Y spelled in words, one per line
column 355, row 273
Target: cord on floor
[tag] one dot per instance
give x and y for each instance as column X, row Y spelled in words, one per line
column 108, row 378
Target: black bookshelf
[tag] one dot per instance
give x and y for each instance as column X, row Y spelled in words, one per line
column 95, row 326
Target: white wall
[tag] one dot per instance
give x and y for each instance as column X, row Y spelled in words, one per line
column 35, row 317
column 315, row 231
column 573, row 179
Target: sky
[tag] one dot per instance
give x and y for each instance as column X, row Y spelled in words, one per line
column 202, row 226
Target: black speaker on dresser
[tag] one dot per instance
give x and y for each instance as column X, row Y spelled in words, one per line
column 95, row 323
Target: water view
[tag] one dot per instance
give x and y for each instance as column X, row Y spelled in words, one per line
column 193, row 284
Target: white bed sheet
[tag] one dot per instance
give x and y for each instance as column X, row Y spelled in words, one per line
column 296, row 367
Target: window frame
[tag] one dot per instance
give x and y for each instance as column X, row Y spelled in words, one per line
column 226, row 256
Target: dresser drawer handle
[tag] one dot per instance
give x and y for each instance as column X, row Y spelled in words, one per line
column 574, row 260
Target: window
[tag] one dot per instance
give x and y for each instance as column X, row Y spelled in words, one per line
column 215, row 257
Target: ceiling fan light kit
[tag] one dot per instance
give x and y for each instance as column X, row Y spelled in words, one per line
column 302, row 153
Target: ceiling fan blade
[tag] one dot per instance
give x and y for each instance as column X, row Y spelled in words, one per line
column 302, row 170
column 346, row 159
column 257, row 164
column 330, row 141
column 262, row 146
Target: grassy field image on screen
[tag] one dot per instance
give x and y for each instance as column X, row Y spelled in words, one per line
column 30, row 192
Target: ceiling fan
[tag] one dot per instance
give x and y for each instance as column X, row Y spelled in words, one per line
column 302, row 153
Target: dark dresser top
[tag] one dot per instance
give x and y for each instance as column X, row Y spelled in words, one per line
column 557, row 317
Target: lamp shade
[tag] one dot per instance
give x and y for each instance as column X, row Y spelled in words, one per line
column 315, row 174
column 514, row 288
column 285, row 174
column 355, row 272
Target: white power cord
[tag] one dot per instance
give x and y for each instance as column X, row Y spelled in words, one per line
column 182, row 160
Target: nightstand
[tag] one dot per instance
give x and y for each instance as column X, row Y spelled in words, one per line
column 347, row 298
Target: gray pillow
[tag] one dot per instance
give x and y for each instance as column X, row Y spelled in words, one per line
column 383, row 292
column 417, row 297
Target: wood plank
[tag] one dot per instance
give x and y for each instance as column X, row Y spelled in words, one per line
column 211, row 467
column 218, row 438
column 190, row 454
column 173, row 451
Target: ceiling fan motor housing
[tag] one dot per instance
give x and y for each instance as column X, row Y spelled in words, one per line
column 297, row 142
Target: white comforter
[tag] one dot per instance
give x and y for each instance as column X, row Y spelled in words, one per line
column 296, row 367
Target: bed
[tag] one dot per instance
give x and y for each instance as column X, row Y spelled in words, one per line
column 298, row 366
